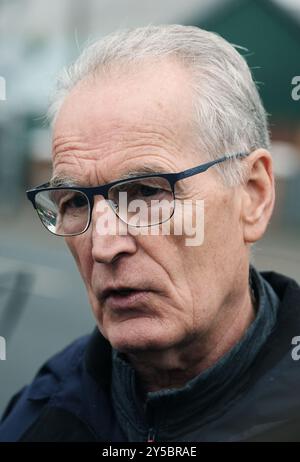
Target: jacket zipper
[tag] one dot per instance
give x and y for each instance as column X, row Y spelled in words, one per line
column 151, row 435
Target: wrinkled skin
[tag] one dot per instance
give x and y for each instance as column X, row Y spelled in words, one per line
column 197, row 303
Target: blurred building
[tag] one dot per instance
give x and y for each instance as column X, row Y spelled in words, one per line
column 270, row 32
column 38, row 38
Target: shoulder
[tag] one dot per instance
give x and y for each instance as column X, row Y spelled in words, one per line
column 287, row 289
column 287, row 327
column 275, row 373
column 25, row 407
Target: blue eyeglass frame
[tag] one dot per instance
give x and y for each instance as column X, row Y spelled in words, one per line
column 103, row 190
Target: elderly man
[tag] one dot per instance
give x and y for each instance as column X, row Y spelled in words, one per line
column 192, row 342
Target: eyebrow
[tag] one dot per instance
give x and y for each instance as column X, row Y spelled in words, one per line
column 144, row 170
column 64, row 180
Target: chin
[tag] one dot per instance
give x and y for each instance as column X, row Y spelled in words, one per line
column 136, row 336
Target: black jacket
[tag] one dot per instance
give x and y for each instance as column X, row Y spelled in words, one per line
column 70, row 400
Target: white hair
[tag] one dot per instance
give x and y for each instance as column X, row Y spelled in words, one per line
column 228, row 111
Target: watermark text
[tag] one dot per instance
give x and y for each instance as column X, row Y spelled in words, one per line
column 2, row 349
column 296, row 88
column 296, row 350
column 2, row 89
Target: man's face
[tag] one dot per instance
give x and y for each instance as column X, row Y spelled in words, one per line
column 113, row 126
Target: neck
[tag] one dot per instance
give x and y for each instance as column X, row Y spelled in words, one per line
column 173, row 367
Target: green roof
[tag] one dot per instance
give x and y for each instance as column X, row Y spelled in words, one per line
column 272, row 37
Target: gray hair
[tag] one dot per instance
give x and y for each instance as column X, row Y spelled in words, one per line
column 229, row 114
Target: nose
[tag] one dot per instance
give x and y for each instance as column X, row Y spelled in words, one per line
column 110, row 236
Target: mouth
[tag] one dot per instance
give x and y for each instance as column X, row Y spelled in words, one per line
column 124, row 298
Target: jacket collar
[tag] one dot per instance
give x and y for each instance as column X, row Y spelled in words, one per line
column 98, row 359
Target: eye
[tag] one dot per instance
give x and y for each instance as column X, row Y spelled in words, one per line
column 147, row 191
column 75, row 202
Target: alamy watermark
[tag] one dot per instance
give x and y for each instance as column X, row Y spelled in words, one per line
column 187, row 219
column 296, row 88
column 2, row 349
column 2, row 89
column 296, row 350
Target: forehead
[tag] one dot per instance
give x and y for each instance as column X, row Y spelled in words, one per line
column 151, row 92
column 110, row 116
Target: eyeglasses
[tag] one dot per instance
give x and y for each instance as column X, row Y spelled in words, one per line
column 67, row 210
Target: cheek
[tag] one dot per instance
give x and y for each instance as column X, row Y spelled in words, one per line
column 221, row 234
column 223, row 246
column 168, row 256
column 221, row 219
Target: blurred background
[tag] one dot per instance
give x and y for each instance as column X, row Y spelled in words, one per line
column 43, row 305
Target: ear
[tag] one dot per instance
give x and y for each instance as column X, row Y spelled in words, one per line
column 258, row 195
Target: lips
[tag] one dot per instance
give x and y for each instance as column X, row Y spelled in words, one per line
column 122, row 291
column 124, row 297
